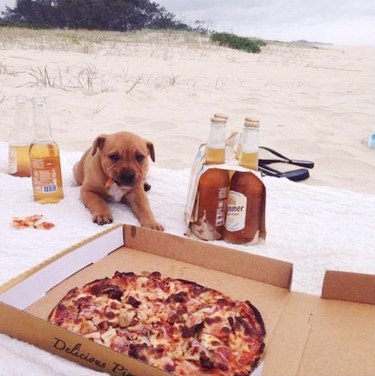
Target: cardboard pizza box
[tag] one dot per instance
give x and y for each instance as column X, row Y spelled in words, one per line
column 231, row 165
column 306, row 335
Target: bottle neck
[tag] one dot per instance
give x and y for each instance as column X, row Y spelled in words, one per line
column 249, row 148
column 21, row 132
column 42, row 129
column 215, row 147
column 216, row 138
column 21, row 117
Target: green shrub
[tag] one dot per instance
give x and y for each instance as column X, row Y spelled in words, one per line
column 239, row 43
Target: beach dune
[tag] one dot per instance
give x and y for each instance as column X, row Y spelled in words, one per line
column 313, row 101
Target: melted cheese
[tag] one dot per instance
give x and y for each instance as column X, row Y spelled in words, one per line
column 108, row 336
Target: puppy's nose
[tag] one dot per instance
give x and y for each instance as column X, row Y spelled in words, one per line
column 127, row 177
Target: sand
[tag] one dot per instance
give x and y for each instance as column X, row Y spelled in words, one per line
column 313, row 101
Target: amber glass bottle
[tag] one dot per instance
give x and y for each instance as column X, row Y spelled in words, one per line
column 213, row 187
column 246, row 195
column 19, row 141
column 44, row 158
column 211, row 204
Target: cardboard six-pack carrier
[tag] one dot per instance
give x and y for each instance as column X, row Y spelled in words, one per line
column 231, row 165
column 306, row 335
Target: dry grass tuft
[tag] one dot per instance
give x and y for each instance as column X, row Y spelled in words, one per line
column 162, row 43
column 85, row 79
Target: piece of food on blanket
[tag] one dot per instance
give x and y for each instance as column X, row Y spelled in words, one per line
column 33, row 221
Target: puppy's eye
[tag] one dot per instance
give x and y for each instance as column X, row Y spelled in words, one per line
column 114, row 157
column 140, row 158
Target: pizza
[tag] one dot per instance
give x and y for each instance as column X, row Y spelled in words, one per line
column 177, row 325
column 33, row 221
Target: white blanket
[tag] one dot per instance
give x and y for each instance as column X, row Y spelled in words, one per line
column 316, row 228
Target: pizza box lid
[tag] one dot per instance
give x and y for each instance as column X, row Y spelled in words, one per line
column 306, row 335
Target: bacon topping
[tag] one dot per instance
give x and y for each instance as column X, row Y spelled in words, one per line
column 205, row 361
column 112, row 291
column 180, row 297
column 133, row 302
column 187, row 332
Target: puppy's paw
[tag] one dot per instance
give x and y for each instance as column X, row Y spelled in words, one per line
column 102, row 218
column 153, row 225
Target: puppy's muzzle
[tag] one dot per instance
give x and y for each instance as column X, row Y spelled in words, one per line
column 126, row 178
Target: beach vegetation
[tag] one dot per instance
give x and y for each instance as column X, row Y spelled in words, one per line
column 117, row 15
column 84, row 78
column 112, row 16
column 252, row 45
column 2, row 98
column 42, row 77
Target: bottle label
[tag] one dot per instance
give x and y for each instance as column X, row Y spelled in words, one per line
column 45, row 174
column 236, row 214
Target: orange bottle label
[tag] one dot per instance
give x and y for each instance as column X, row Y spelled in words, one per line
column 46, row 174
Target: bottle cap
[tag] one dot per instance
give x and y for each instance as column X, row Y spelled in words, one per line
column 221, row 116
column 218, row 120
column 251, row 123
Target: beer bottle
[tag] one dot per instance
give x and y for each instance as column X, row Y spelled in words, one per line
column 246, row 200
column 213, row 187
column 211, row 204
column 250, row 129
column 44, row 158
column 19, row 141
column 215, row 147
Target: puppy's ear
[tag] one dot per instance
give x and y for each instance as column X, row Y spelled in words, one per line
column 151, row 150
column 98, row 143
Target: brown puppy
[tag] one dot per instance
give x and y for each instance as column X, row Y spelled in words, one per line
column 115, row 168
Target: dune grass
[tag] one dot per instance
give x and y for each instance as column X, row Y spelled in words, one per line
column 89, row 79
column 238, row 43
column 108, row 42
column 120, row 43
